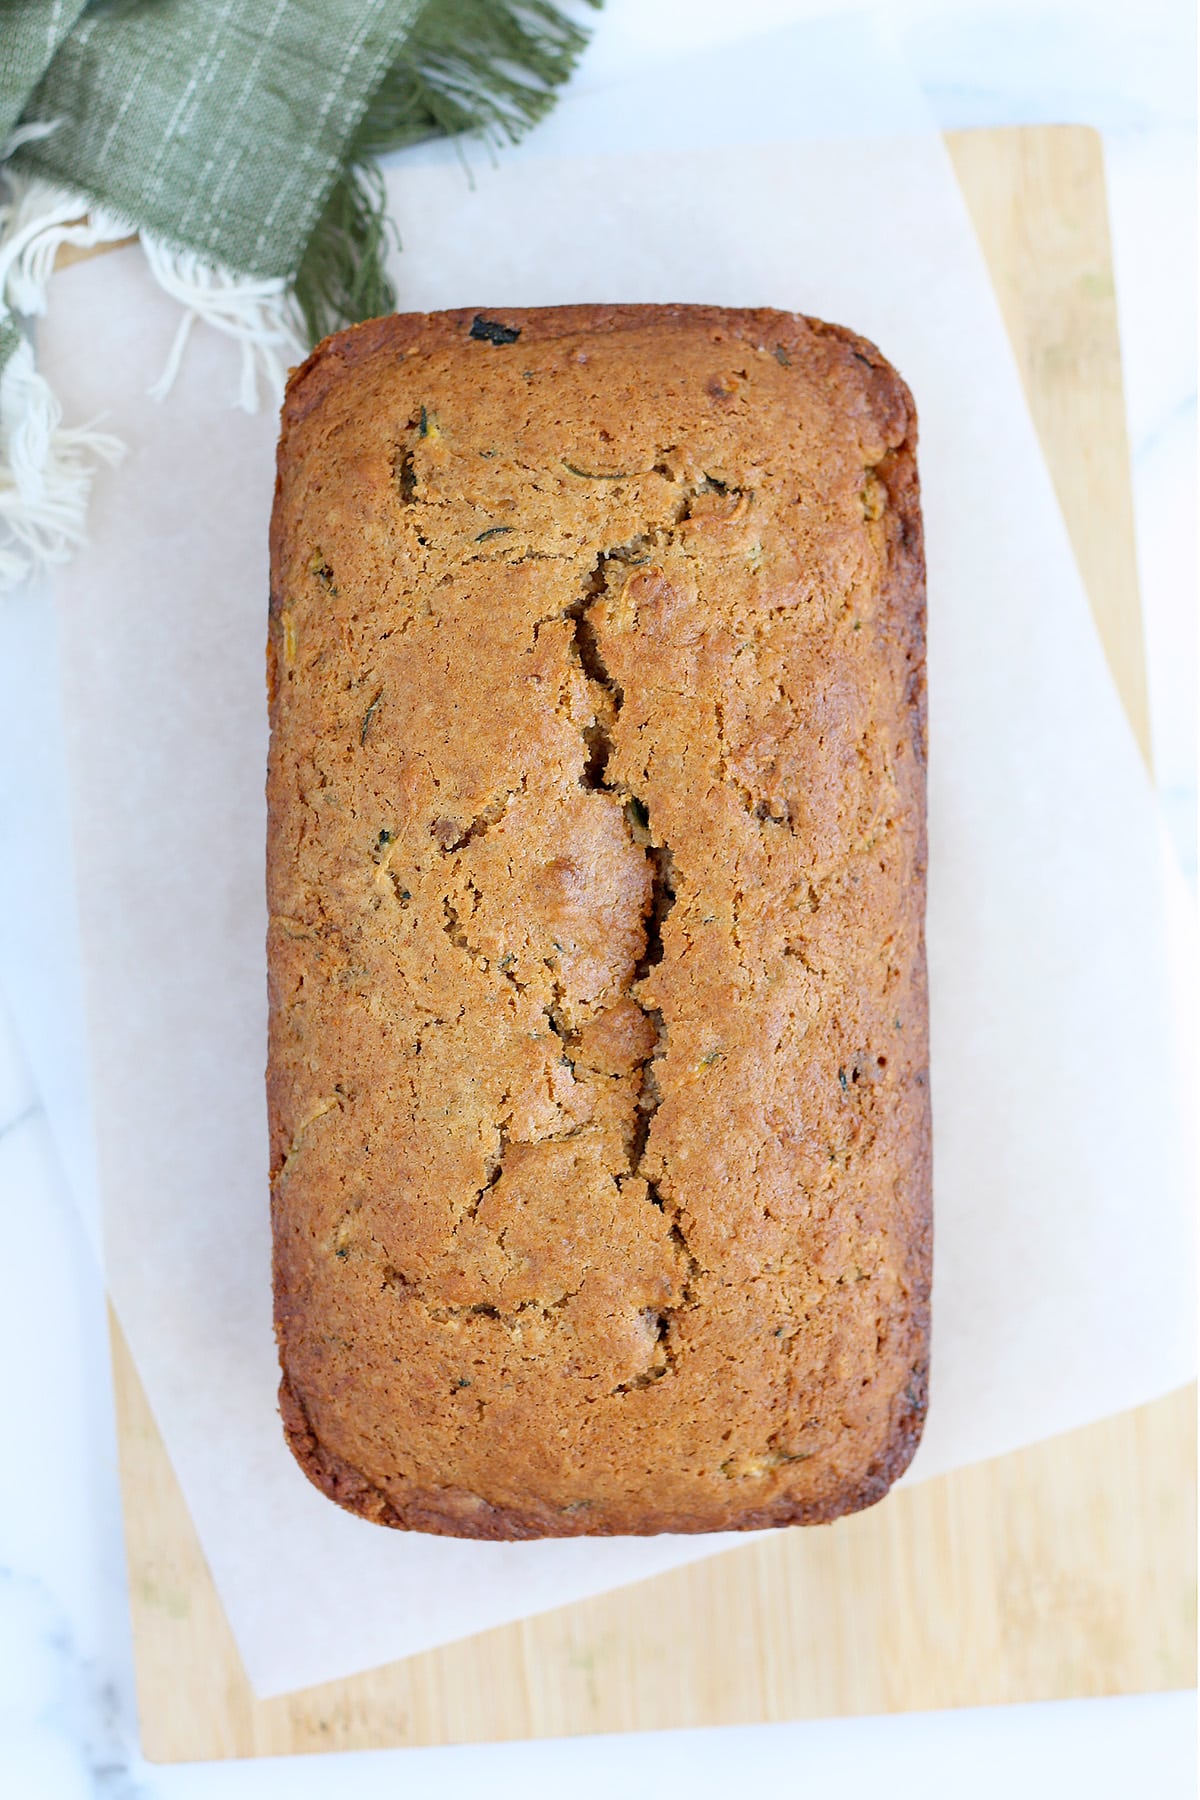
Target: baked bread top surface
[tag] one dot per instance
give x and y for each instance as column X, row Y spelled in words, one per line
column 598, row 1062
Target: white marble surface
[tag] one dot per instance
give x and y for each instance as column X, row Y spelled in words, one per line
column 67, row 1723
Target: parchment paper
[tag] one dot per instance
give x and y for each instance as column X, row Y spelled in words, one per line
column 1062, row 1253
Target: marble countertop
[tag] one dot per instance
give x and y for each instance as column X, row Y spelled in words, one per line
column 67, row 1716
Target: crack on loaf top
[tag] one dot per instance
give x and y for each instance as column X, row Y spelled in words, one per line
column 608, row 699
column 449, row 835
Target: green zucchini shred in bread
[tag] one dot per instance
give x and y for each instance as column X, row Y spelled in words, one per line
column 598, row 1072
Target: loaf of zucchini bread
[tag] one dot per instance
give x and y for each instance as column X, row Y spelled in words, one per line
column 598, row 1069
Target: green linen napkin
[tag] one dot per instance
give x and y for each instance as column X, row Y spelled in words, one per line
column 238, row 138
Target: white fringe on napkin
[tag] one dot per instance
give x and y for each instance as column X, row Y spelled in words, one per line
column 257, row 313
column 46, row 468
column 46, row 472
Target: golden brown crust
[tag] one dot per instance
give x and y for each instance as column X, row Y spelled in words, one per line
column 598, row 1080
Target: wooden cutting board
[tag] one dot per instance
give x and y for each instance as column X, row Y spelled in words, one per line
column 1067, row 1569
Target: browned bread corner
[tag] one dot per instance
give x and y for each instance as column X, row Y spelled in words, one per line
column 598, row 1072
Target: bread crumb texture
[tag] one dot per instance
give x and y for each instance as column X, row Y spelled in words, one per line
column 598, row 1051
